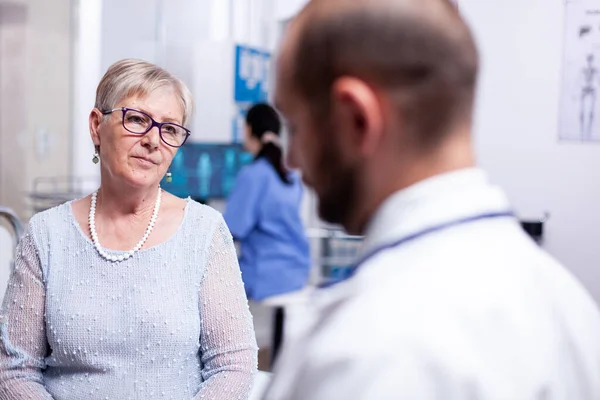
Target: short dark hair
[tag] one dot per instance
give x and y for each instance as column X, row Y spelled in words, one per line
column 428, row 64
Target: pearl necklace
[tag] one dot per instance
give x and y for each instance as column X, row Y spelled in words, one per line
column 129, row 254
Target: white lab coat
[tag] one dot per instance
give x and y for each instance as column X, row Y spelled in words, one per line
column 473, row 312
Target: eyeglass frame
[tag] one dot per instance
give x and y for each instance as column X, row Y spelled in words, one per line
column 159, row 125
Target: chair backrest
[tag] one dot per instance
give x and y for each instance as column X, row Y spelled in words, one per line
column 8, row 242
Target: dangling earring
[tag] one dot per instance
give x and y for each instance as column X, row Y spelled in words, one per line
column 169, row 178
column 96, row 159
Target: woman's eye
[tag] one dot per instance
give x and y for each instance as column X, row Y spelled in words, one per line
column 135, row 119
column 169, row 130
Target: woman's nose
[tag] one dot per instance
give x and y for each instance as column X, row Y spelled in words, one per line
column 152, row 138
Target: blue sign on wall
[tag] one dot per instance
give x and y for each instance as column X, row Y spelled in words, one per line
column 252, row 68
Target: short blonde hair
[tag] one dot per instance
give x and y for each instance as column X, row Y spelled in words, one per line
column 131, row 77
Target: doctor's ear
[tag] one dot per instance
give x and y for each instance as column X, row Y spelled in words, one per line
column 358, row 110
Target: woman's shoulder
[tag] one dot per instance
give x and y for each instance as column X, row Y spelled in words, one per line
column 203, row 221
column 49, row 224
column 51, row 218
column 198, row 212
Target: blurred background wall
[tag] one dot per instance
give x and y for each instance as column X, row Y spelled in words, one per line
column 35, row 95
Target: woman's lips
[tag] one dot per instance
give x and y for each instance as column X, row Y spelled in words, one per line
column 146, row 161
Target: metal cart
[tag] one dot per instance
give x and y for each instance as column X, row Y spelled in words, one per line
column 48, row 192
column 334, row 253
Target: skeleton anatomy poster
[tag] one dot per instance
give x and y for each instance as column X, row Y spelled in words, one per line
column 580, row 102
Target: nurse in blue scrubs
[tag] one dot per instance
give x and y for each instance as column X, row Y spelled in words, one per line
column 263, row 213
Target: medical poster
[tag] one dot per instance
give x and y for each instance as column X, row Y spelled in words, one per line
column 579, row 104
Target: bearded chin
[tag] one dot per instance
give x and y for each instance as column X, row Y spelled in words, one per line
column 337, row 203
column 339, row 195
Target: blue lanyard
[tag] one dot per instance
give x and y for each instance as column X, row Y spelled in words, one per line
column 418, row 235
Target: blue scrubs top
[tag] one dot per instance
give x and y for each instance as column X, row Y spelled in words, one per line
column 263, row 214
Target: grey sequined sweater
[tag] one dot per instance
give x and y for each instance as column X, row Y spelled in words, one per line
column 172, row 322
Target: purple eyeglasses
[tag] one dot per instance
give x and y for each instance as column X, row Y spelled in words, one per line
column 140, row 123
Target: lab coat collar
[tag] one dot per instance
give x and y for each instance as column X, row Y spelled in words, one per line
column 434, row 201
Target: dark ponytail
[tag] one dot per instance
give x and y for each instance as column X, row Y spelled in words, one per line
column 265, row 125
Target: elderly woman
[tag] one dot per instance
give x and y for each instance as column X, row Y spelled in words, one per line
column 130, row 293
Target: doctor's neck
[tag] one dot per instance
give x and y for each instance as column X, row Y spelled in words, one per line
column 389, row 174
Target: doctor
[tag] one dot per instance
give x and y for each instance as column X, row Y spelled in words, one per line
column 451, row 300
column 263, row 213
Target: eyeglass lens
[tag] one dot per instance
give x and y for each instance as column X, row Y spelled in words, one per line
column 140, row 123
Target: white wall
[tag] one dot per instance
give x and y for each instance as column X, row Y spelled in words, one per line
column 286, row 9
column 517, row 128
column 87, row 73
column 35, row 96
